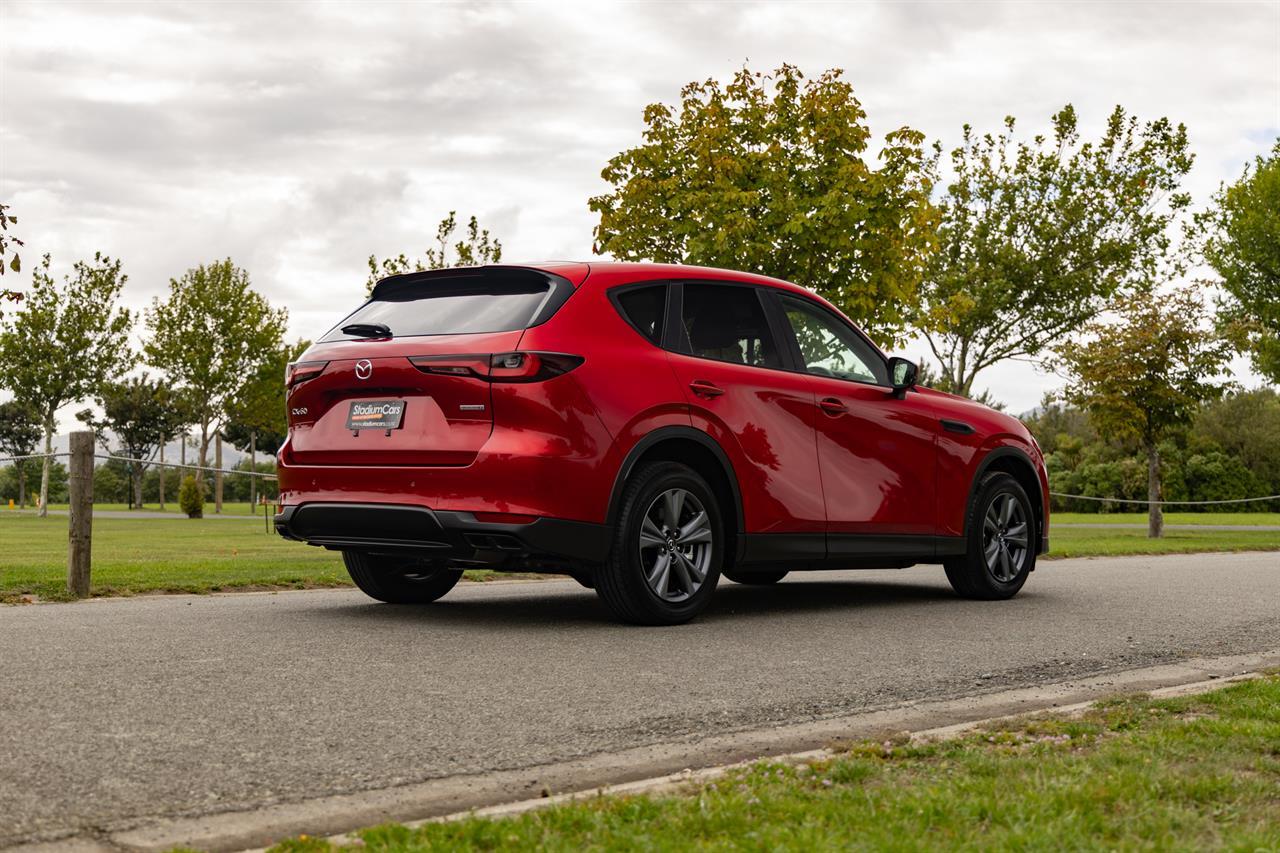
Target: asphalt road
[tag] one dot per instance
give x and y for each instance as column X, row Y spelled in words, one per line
column 182, row 705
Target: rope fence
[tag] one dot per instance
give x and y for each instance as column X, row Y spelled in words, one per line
column 80, row 499
column 180, row 465
column 243, row 473
column 1165, row 503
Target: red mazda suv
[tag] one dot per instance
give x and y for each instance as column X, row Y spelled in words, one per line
column 647, row 429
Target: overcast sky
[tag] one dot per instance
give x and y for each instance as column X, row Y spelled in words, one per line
column 299, row 138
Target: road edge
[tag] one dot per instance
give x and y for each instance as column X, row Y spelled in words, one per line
column 644, row 769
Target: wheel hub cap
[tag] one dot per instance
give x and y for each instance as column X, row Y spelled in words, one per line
column 676, row 543
column 1005, row 536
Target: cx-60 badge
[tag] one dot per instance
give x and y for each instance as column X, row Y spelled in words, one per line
column 364, row 368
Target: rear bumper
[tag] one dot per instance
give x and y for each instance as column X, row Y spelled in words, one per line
column 452, row 535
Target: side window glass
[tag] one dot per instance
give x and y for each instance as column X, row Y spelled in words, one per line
column 645, row 308
column 829, row 348
column 728, row 323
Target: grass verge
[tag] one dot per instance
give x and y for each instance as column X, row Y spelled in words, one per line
column 1193, row 773
column 1067, row 541
column 136, row 555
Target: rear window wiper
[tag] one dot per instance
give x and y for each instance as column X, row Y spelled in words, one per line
column 367, row 330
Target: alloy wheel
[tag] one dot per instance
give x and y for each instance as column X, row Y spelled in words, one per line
column 1005, row 534
column 676, row 543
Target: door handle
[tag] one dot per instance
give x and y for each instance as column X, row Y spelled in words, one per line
column 832, row 406
column 703, row 388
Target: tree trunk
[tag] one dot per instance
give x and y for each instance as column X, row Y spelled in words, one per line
column 1155, row 513
column 44, row 469
column 163, row 471
column 137, row 485
column 22, row 482
column 204, row 450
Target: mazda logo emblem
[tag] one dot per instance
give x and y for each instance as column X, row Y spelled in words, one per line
column 364, row 368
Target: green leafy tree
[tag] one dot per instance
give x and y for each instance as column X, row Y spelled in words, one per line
column 256, row 415
column 19, row 434
column 143, row 414
column 1243, row 245
column 770, row 174
column 9, row 259
column 1037, row 236
column 1245, row 425
column 1144, row 376
column 475, row 247
column 256, row 418
column 210, row 336
column 65, row 342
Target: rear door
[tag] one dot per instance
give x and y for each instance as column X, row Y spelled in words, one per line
column 729, row 364
column 417, row 390
column 877, row 453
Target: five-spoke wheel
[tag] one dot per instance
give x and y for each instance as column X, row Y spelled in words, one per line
column 667, row 547
column 999, row 552
column 1004, row 536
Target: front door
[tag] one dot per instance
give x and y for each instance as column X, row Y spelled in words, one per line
column 877, row 453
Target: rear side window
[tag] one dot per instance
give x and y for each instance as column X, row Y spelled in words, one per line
column 429, row 304
column 728, row 323
column 645, row 308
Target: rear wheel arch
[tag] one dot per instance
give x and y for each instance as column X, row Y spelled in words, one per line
column 1017, row 464
column 704, row 455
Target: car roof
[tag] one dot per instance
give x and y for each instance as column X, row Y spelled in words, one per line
column 613, row 272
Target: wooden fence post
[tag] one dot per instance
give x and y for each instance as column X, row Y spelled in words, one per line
column 80, row 516
column 217, row 475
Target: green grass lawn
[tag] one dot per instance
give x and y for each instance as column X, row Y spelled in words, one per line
column 132, row 555
column 1065, row 541
column 228, row 508
column 1271, row 519
column 160, row 554
column 1196, row 773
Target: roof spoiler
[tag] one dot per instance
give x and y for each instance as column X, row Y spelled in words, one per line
column 393, row 286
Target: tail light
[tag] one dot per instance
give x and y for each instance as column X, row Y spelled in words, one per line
column 500, row 367
column 300, row 371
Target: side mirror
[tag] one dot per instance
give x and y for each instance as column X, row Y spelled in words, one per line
column 902, row 374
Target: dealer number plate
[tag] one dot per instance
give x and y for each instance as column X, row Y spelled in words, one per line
column 375, row 414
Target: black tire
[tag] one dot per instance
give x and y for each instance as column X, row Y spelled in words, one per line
column 972, row 576
column 585, row 577
column 622, row 582
column 399, row 580
column 755, row 578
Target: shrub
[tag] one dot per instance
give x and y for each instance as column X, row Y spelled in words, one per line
column 191, row 498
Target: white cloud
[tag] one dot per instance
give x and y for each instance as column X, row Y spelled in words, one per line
column 300, row 138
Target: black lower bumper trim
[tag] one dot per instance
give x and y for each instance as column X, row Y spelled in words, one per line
column 442, row 534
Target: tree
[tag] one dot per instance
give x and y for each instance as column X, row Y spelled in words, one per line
column 65, row 342
column 1247, row 426
column 1037, row 236
column 142, row 414
column 476, row 247
column 19, row 433
column 1146, row 375
column 770, row 174
column 210, row 336
column 13, row 263
column 1243, row 245
column 256, row 418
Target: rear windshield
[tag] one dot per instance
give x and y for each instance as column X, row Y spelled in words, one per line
column 459, row 305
